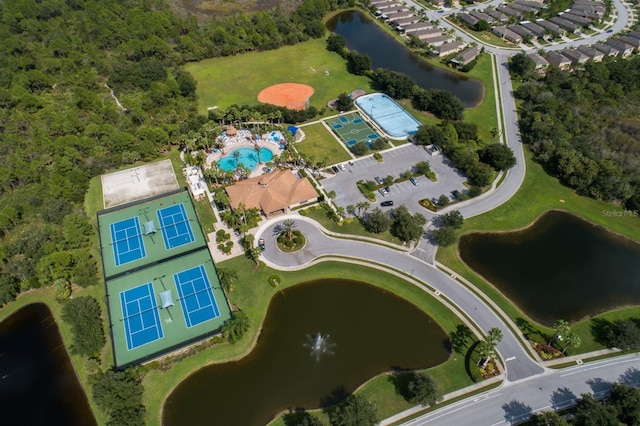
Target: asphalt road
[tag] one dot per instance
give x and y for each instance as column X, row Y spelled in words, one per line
column 519, row 364
column 556, row 389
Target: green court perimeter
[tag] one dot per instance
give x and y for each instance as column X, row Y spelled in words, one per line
column 141, row 329
column 352, row 128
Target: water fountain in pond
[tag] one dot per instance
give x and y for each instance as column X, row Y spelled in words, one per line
column 319, row 345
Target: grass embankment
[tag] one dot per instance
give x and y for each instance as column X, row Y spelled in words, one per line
column 538, row 194
column 252, row 293
column 321, row 144
column 305, row 63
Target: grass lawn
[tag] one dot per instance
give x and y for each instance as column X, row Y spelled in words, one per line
column 538, row 194
column 252, row 293
column 321, row 144
column 485, row 114
column 352, row 227
column 238, row 79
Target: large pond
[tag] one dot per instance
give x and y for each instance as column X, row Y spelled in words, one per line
column 365, row 331
column 38, row 385
column 365, row 36
column 561, row 267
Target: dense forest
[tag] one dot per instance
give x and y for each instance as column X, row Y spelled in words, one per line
column 88, row 86
column 583, row 126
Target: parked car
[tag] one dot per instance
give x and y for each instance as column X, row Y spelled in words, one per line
column 386, row 203
column 378, row 180
column 383, row 192
column 261, row 244
column 414, row 181
column 609, row 31
column 342, row 167
column 335, row 169
column 456, row 194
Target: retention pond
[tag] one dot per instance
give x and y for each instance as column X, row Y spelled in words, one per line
column 561, row 267
column 317, row 338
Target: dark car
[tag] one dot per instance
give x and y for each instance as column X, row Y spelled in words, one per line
column 609, row 31
column 386, row 203
column 335, row 169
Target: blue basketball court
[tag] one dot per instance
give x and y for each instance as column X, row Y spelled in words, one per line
column 140, row 316
column 126, row 239
column 196, row 298
column 176, row 229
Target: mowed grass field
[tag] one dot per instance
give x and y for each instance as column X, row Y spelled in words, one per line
column 238, row 79
column 321, row 144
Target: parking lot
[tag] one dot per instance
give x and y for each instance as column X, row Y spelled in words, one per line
column 395, row 162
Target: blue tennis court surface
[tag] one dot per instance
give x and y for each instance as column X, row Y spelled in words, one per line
column 176, row 230
column 344, row 119
column 357, row 121
column 337, row 126
column 126, row 239
column 372, row 136
column 197, row 300
column 140, row 316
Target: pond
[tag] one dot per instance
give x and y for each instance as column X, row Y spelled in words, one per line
column 365, row 36
column 317, row 337
column 38, row 385
column 561, row 267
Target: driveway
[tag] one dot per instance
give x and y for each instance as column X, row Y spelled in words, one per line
column 396, row 161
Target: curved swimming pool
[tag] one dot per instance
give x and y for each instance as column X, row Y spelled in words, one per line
column 387, row 114
column 248, row 158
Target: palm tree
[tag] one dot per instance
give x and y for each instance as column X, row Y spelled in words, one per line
column 364, row 206
column 236, row 157
column 340, row 211
column 562, row 330
column 351, row 209
column 227, row 276
column 257, row 149
column 288, row 227
column 494, row 335
column 571, row 340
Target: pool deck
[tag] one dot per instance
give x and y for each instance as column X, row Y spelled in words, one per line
column 238, row 142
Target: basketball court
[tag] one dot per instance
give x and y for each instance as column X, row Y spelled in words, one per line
column 351, row 129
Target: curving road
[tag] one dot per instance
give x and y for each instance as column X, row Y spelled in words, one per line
column 522, row 372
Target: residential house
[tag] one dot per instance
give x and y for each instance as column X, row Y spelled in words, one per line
column 535, row 29
column 634, row 34
column 425, row 35
column 605, row 49
column 558, row 60
column 506, row 34
column 440, row 40
column 449, row 48
column 466, row 56
column 578, row 20
column 521, row 31
column 403, row 22
column 551, row 28
column 563, row 23
column 575, row 56
column 631, row 41
column 592, row 53
column 386, row 5
column 509, row 11
column 274, row 193
column 523, row 8
column 541, row 63
column 588, row 14
column 531, row 4
column 482, row 17
column 467, row 19
column 623, row 48
column 497, row 16
column 393, row 17
column 417, row 26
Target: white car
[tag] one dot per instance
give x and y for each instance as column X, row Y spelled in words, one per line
column 342, row 167
column 383, row 192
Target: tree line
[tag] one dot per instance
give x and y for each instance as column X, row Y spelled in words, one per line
column 582, row 126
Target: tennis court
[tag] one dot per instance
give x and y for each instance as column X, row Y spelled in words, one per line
column 126, row 238
column 351, row 128
column 176, row 230
column 140, row 316
column 196, row 297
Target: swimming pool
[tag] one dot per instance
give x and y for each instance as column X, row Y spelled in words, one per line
column 248, row 157
column 390, row 116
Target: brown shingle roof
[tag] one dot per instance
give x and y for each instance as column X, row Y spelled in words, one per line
column 271, row 192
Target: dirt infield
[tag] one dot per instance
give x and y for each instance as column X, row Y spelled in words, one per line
column 291, row 95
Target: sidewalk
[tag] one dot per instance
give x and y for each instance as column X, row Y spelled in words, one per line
column 448, row 397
